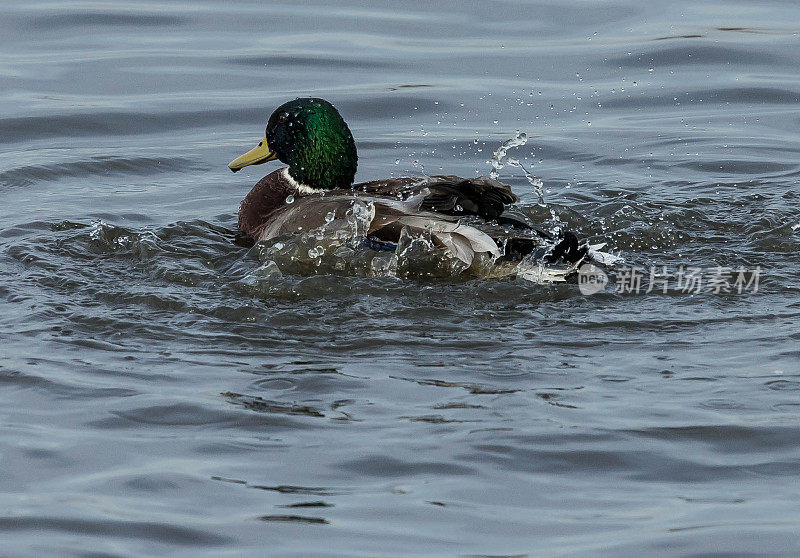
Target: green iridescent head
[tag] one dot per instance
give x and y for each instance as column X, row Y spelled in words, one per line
column 311, row 137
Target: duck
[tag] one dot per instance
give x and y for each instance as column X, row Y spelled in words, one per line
column 462, row 216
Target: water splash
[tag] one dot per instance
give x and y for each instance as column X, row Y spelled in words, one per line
column 542, row 275
column 265, row 272
column 520, row 139
column 418, row 256
column 109, row 238
column 384, row 265
column 359, row 217
column 538, row 185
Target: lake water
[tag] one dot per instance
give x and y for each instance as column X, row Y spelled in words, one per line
column 162, row 392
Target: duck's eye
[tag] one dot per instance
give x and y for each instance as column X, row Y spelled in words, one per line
column 260, row 143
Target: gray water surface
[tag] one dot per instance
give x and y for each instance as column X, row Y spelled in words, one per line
column 159, row 397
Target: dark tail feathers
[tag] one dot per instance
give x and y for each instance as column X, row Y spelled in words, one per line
column 569, row 249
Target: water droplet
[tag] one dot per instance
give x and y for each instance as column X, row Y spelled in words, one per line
column 331, row 215
column 497, row 157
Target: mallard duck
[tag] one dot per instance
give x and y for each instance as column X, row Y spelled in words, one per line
column 462, row 215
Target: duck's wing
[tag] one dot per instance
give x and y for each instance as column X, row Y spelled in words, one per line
column 449, row 195
column 379, row 217
column 385, row 219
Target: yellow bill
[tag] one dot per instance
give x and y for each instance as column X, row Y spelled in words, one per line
column 261, row 153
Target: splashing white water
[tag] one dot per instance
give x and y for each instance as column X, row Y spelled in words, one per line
column 500, row 153
column 594, row 254
column 359, row 217
column 538, row 185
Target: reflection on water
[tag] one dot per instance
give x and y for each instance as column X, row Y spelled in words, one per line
column 166, row 390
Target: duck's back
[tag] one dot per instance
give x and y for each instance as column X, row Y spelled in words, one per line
column 449, row 195
column 455, row 211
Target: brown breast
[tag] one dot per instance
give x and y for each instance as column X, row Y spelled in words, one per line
column 268, row 195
